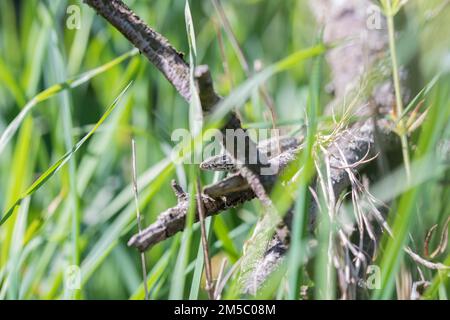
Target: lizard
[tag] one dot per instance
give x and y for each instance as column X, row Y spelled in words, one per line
column 269, row 147
column 235, row 182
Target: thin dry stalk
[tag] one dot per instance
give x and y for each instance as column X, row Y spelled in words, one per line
column 221, row 284
column 138, row 213
column 442, row 243
column 370, row 201
column 207, row 260
column 217, row 294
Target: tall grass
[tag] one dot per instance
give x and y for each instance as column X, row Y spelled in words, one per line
column 65, row 167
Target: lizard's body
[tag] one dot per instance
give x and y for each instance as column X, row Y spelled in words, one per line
column 269, row 147
column 235, row 182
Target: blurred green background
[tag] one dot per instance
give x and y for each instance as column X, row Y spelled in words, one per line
column 84, row 215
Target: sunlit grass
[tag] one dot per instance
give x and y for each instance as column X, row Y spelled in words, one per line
column 65, row 168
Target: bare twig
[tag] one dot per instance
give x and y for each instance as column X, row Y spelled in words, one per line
column 172, row 220
column 442, row 243
column 152, row 44
column 166, row 58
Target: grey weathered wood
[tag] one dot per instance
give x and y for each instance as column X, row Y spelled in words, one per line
column 153, row 45
column 173, row 219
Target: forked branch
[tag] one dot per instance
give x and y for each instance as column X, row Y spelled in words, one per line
column 153, row 45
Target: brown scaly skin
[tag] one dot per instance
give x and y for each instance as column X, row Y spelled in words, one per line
column 224, row 162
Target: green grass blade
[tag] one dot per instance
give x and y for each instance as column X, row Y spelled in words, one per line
column 56, row 65
column 195, row 108
column 421, row 95
column 300, row 212
column 126, row 218
column 62, row 161
column 238, row 96
column 440, row 281
column 428, row 164
column 53, row 90
column 178, row 281
column 10, row 83
column 199, row 264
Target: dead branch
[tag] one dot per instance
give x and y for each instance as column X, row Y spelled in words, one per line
column 153, row 45
column 173, row 220
column 170, row 63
